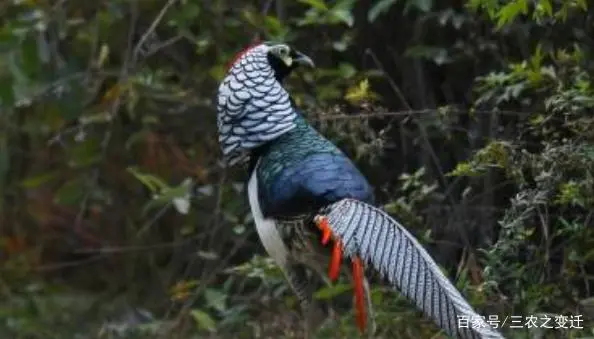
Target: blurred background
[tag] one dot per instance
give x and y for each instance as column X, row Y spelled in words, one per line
column 473, row 119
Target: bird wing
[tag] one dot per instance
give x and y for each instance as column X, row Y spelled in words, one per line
column 371, row 234
column 275, row 247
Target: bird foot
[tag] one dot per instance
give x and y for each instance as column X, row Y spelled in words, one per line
column 334, row 269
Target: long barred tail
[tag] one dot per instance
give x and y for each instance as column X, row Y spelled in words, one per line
column 389, row 248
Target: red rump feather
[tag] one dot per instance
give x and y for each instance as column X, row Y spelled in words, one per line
column 242, row 52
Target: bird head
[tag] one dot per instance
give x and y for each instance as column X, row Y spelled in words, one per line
column 253, row 107
column 285, row 59
column 280, row 57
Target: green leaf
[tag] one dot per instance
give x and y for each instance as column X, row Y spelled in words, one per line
column 345, row 5
column 217, row 72
column 30, row 63
column 380, row 7
column 153, row 183
column 463, row 169
column 422, row 5
column 203, row 320
column 216, row 299
column 536, row 58
column 38, row 180
column 546, row 7
column 582, row 4
column 360, row 92
column 13, row 63
column 72, row 192
column 344, row 16
column 84, row 153
column 317, row 4
column 167, row 195
column 510, row 11
column 330, row 292
column 6, row 92
column 346, row 70
column 275, row 27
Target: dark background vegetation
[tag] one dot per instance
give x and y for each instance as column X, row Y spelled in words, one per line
column 473, row 119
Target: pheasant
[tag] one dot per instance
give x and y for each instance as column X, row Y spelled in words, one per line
column 309, row 200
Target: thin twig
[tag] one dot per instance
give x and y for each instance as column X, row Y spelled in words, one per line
column 391, row 81
column 154, row 219
column 409, row 113
column 266, row 7
column 422, row 128
column 162, row 45
column 152, row 28
column 113, row 112
column 67, row 264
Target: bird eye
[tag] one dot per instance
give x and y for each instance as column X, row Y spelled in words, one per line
column 283, row 51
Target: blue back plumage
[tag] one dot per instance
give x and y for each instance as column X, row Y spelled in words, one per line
column 302, row 171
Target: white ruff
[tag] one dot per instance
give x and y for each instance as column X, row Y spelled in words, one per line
column 253, row 108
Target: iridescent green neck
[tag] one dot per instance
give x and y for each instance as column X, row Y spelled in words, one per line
column 291, row 148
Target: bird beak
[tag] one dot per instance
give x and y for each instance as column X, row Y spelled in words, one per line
column 302, row 59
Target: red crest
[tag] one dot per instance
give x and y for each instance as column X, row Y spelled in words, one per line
column 242, row 52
